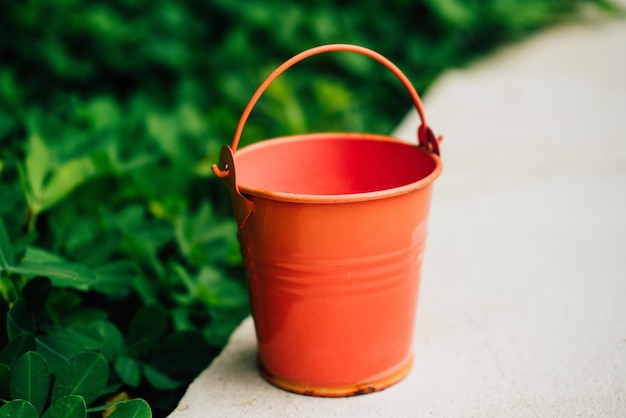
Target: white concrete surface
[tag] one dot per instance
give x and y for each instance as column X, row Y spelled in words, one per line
column 523, row 299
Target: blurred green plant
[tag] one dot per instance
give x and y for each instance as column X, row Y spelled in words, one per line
column 57, row 365
column 116, row 244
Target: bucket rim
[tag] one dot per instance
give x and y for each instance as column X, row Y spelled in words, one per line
column 248, row 190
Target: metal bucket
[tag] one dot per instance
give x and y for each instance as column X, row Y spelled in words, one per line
column 332, row 228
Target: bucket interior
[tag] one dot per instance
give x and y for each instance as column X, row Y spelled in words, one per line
column 337, row 165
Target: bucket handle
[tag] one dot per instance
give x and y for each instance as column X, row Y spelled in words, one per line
column 425, row 136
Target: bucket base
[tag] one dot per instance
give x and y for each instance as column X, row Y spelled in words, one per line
column 339, row 391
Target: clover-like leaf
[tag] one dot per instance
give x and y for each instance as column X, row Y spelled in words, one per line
column 86, row 375
column 65, row 179
column 19, row 408
column 159, row 379
column 36, row 165
column 136, row 408
column 111, row 279
column 129, row 370
column 112, row 340
column 72, row 406
column 57, row 351
column 218, row 291
column 30, row 380
column 16, row 348
column 39, row 262
column 60, row 274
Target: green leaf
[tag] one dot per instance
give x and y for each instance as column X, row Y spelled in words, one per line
column 202, row 237
column 65, row 179
column 165, row 130
column 218, row 291
column 95, row 335
column 6, row 251
column 19, row 408
column 57, row 351
column 146, row 288
column 127, row 368
column 36, row 164
column 5, row 381
column 16, row 348
column 82, row 317
column 80, row 336
column 36, row 255
column 114, row 278
column 453, row 12
column 20, row 319
column 160, row 380
column 72, row 406
column 30, row 380
column 85, row 375
column 136, row 408
column 112, row 340
column 60, row 274
column 104, row 112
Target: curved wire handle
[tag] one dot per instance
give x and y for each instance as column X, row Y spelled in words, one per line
column 425, row 136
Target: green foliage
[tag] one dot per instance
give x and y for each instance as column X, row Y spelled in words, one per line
column 119, row 266
column 78, row 383
column 19, row 408
column 30, row 380
column 94, row 374
column 72, row 406
column 134, row 408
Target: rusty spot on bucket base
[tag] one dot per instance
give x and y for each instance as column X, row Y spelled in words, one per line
column 365, row 390
column 339, row 391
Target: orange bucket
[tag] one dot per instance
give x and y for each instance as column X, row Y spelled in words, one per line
column 332, row 228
